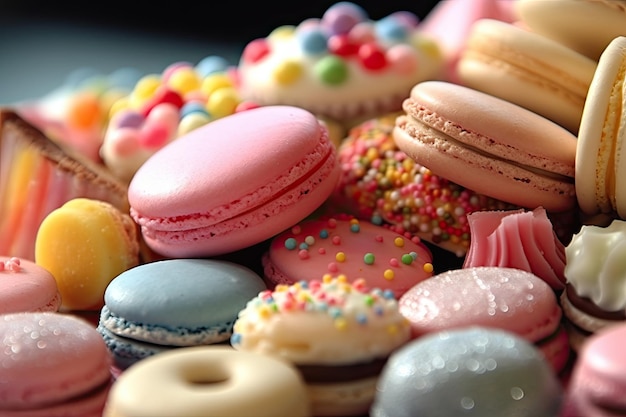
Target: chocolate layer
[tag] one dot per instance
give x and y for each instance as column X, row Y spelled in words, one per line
column 587, row 306
column 341, row 373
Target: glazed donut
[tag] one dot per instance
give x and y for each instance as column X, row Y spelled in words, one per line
column 208, row 381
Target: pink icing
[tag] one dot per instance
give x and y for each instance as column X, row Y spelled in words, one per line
column 517, row 239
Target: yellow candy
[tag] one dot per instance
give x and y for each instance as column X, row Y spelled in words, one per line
column 184, row 80
column 85, row 244
column 214, row 82
column 222, row 102
column 282, row 32
column 192, row 122
column 288, row 72
column 144, row 89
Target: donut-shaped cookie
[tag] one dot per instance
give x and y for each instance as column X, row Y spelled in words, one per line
column 209, row 381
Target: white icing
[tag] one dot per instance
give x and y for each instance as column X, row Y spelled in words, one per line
column 596, row 264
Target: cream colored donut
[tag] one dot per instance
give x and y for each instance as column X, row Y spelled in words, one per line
column 208, row 381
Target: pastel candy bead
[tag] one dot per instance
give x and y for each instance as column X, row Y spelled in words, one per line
column 210, row 65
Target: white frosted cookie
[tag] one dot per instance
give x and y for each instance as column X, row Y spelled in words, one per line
column 343, row 66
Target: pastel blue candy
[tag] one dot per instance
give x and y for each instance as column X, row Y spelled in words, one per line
column 211, row 64
column 182, row 292
column 172, row 303
column 471, row 371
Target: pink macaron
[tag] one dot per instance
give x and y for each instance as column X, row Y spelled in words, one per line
column 505, row 298
column 234, row 182
column 489, row 145
column 598, row 380
column 53, row 365
column 26, row 286
column 344, row 246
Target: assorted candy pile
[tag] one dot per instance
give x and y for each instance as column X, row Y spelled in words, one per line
column 387, row 216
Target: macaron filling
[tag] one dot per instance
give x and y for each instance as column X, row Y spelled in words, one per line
column 321, row 374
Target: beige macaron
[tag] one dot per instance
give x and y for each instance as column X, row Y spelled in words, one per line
column 600, row 172
column 586, row 26
column 528, row 69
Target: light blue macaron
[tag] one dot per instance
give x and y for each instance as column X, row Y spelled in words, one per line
column 172, row 303
column 466, row 372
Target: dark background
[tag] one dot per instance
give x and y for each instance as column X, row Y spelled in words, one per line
column 42, row 42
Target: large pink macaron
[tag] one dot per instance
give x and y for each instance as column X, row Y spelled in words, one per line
column 234, row 182
column 53, row 365
column 344, row 246
column 489, row 145
column 499, row 297
column 26, row 286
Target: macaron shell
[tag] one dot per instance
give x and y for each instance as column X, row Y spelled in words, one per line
column 527, row 69
column 527, row 159
column 234, row 182
column 76, row 359
column 599, row 167
column 355, row 249
column 27, row 287
column 505, row 298
column 187, row 293
column 584, row 25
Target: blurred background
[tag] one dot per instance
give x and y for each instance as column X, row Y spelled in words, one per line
column 42, row 42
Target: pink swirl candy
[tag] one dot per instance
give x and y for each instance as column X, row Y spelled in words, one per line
column 518, row 239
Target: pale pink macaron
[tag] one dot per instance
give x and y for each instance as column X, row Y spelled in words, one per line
column 341, row 245
column 489, row 145
column 598, row 381
column 234, row 182
column 505, row 298
column 53, row 365
column 26, row 286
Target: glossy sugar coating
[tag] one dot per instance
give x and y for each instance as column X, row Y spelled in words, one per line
column 26, row 286
column 52, row 365
column 344, row 246
column 473, row 371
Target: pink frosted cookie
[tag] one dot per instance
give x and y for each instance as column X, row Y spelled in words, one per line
column 343, row 65
column 234, row 182
column 53, row 365
column 344, row 246
column 381, row 184
column 162, row 107
column 517, row 239
column 505, row 298
column 26, row 286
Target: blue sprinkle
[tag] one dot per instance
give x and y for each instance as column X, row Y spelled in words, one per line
column 388, row 294
column 291, row 243
column 378, row 310
column 361, row 318
column 235, row 339
column 323, row 233
column 355, row 228
column 390, row 29
column 211, row 64
column 377, row 219
column 304, row 246
column 192, row 107
column 334, row 312
column 312, row 41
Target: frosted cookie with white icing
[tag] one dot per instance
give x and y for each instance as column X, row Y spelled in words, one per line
column 343, row 66
column 338, row 334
